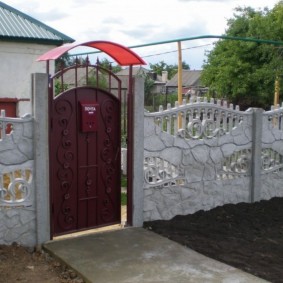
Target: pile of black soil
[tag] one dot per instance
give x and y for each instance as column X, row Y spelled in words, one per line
column 246, row 236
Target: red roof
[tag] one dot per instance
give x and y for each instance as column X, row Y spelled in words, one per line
column 121, row 54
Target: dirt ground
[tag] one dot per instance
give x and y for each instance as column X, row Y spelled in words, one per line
column 19, row 265
column 246, row 236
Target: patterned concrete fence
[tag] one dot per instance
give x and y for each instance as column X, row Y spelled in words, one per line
column 191, row 157
column 24, row 187
column 17, row 197
column 204, row 154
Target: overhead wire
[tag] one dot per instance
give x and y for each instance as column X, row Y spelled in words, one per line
column 173, row 51
column 157, row 54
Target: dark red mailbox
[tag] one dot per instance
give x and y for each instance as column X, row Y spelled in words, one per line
column 88, row 116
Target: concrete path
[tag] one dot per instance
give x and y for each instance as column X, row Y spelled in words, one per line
column 135, row 255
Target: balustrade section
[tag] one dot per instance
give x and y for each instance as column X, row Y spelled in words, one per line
column 200, row 120
column 16, row 161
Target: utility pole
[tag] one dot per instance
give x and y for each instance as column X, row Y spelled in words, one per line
column 180, row 83
column 277, row 91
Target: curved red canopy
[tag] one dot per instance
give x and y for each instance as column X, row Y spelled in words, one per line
column 121, row 54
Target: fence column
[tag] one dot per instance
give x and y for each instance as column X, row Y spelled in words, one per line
column 138, row 152
column 256, row 155
column 41, row 156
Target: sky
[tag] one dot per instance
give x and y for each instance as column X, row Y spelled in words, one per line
column 136, row 22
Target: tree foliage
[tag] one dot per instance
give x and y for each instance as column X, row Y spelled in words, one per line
column 64, row 61
column 244, row 72
column 148, row 86
column 106, row 64
column 171, row 69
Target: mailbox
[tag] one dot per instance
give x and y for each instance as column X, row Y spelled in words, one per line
column 88, row 116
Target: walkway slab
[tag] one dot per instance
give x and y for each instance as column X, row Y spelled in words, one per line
column 136, row 255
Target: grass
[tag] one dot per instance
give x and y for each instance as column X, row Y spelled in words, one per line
column 123, row 198
column 123, row 181
column 123, row 185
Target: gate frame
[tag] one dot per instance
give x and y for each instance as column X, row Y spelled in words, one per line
column 134, row 163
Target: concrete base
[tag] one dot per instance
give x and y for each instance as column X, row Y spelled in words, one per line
column 135, row 255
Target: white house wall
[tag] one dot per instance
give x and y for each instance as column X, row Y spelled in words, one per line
column 18, row 62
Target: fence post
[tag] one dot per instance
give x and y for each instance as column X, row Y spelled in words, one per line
column 41, row 156
column 138, row 152
column 255, row 189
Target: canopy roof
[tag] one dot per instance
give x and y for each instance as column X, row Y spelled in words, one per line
column 121, row 54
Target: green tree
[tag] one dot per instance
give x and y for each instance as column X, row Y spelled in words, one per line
column 105, row 63
column 244, row 72
column 64, row 61
column 148, row 85
column 67, row 60
column 171, row 69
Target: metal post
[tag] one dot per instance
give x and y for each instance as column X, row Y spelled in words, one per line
column 277, row 90
column 180, row 83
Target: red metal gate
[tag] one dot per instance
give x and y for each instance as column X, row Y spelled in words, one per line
column 85, row 159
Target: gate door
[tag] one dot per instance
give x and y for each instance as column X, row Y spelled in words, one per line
column 85, row 160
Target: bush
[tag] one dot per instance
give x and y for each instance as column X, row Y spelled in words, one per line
column 161, row 99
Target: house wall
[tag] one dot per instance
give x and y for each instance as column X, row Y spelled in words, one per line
column 18, row 62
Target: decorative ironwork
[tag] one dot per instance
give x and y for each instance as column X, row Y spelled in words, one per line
column 65, row 174
column 85, row 74
column 84, row 164
column 15, row 188
column 108, row 162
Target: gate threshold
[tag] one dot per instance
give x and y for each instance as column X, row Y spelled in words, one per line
column 97, row 230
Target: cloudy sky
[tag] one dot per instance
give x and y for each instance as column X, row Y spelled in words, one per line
column 134, row 22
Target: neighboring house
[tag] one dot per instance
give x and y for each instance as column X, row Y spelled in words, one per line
column 22, row 40
column 159, row 81
column 191, row 85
